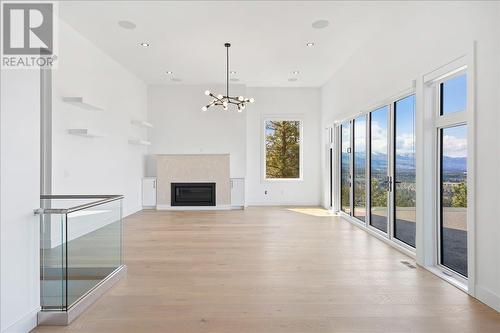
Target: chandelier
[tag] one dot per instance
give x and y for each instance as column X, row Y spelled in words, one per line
column 224, row 101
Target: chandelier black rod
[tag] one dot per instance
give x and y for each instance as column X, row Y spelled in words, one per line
column 227, row 45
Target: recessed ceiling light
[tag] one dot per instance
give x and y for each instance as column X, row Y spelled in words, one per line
column 234, row 79
column 292, row 79
column 127, row 24
column 170, row 72
column 232, row 72
column 320, row 24
column 144, row 44
column 295, row 72
column 175, row 79
column 310, row 44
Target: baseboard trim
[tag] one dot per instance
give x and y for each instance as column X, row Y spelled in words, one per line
column 132, row 211
column 25, row 324
column 488, row 297
column 450, row 279
column 218, row 207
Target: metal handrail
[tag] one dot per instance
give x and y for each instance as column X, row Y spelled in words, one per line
column 105, row 199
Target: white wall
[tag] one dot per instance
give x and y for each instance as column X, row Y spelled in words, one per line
column 104, row 165
column 429, row 35
column 180, row 127
column 20, row 194
column 302, row 102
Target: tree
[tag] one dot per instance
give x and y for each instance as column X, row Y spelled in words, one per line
column 459, row 195
column 282, row 149
column 378, row 194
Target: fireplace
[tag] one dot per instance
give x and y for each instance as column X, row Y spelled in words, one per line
column 192, row 194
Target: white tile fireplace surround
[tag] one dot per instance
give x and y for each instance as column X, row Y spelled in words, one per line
column 199, row 168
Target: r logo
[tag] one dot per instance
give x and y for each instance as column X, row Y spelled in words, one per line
column 27, row 28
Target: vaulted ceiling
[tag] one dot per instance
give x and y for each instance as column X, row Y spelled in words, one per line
column 268, row 38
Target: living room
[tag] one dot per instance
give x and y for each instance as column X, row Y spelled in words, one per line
column 250, row 166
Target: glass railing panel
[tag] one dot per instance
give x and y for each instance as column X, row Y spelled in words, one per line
column 53, row 262
column 94, row 247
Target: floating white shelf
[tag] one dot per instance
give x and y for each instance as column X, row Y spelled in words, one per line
column 84, row 132
column 142, row 123
column 139, row 142
column 78, row 101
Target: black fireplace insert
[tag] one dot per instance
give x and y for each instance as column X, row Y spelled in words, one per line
column 192, row 194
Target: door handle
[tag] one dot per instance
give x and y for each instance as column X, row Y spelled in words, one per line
column 388, row 183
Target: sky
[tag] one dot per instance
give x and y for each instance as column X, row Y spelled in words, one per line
column 405, row 124
column 454, row 100
column 379, row 130
column 455, row 141
column 454, row 94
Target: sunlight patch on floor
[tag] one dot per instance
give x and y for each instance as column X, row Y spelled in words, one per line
column 313, row 211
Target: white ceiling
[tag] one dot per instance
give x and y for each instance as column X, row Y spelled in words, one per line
column 268, row 37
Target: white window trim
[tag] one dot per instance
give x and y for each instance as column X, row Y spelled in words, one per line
column 266, row 118
column 429, row 123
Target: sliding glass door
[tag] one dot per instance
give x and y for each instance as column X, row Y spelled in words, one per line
column 359, row 166
column 404, row 171
column 379, row 168
column 378, row 179
column 378, row 171
column 345, row 168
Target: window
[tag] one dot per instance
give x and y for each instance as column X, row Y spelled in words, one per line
column 282, row 149
column 379, row 172
column 404, row 171
column 345, row 167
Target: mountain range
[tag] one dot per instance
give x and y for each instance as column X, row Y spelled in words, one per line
column 405, row 162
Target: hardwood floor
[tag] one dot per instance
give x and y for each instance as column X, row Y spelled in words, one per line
column 272, row 270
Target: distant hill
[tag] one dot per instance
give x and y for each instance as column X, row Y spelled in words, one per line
column 455, row 164
column 406, row 162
